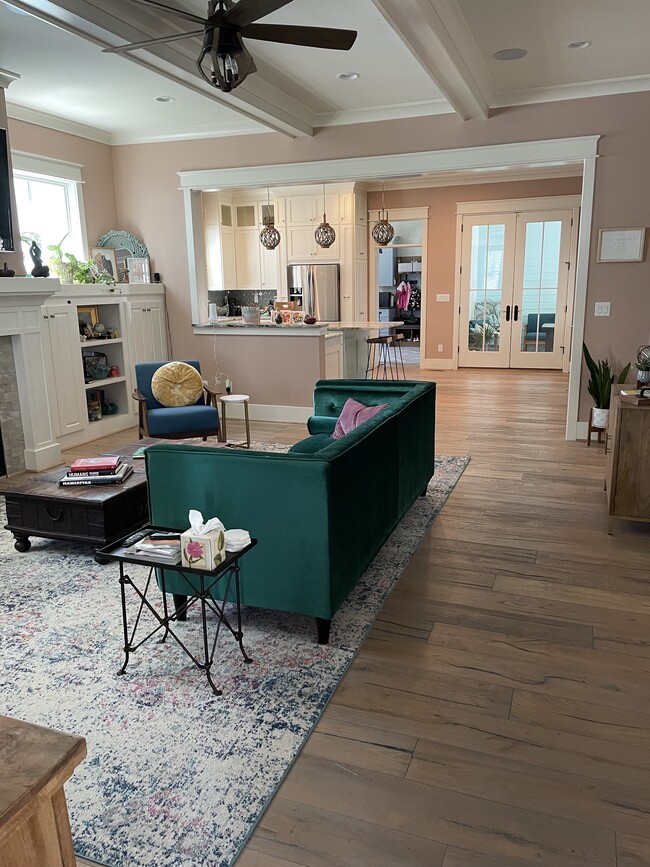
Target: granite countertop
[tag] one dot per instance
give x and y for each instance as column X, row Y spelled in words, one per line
column 266, row 325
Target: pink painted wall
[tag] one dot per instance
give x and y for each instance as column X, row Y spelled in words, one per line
column 97, row 172
column 442, row 202
column 150, row 205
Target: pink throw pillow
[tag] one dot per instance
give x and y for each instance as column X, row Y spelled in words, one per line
column 352, row 415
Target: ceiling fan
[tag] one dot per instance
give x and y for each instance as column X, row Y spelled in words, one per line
column 224, row 29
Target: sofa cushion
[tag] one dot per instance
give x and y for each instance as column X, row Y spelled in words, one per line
column 177, row 384
column 353, row 414
column 312, row 444
column 176, row 420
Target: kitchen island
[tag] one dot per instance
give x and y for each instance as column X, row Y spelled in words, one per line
column 278, row 365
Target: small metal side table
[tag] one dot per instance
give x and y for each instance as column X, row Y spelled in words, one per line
column 199, row 584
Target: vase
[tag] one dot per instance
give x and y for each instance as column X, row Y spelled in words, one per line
column 599, row 417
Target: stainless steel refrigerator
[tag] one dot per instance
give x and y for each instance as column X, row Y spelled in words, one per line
column 315, row 289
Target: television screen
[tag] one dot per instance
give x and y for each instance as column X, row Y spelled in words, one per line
column 6, row 230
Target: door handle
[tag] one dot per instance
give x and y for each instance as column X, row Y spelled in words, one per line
column 516, row 316
column 507, row 313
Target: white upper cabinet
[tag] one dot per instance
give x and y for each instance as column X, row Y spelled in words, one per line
column 308, row 209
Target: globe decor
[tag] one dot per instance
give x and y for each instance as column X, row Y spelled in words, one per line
column 325, row 234
column 269, row 236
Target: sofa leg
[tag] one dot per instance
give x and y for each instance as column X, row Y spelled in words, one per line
column 424, row 493
column 323, row 630
column 179, row 602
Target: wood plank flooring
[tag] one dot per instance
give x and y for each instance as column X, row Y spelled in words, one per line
column 498, row 714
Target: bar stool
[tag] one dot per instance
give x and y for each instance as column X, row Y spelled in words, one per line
column 378, row 357
column 396, row 346
column 235, row 398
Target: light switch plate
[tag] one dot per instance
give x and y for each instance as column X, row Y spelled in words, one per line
column 442, row 297
column 602, row 308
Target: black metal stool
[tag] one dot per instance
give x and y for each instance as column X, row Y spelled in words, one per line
column 379, row 358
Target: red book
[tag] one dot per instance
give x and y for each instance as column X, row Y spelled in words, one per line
column 103, row 463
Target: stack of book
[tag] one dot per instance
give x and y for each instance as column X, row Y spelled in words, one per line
column 165, row 548
column 103, row 470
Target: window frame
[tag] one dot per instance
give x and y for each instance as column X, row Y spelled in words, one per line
column 65, row 174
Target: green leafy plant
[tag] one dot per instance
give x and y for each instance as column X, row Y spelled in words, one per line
column 601, row 379
column 69, row 269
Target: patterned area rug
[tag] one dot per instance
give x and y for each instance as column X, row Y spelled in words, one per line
column 176, row 777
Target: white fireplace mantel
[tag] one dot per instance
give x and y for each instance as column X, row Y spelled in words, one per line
column 20, row 318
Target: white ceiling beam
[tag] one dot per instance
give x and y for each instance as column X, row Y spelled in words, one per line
column 436, row 33
column 255, row 99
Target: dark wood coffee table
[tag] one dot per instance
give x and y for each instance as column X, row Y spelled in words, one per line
column 96, row 514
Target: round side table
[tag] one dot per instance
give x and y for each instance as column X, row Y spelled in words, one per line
column 232, row 399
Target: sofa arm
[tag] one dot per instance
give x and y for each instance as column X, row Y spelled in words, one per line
column 321, row 424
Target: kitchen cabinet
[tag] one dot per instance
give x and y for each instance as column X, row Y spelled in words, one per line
column 334, row 355
column 148, row 332
column 302, row 246
column 307, row 209
column 628, row 462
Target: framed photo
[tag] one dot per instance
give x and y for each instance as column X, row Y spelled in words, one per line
column 104, row 259
column 138, row 270
column 87, row 315
column 121, row 255
column 620, row 245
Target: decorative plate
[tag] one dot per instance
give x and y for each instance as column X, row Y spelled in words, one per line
column 125, row 241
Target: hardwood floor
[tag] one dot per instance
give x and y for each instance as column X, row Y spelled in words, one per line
column 498, row 714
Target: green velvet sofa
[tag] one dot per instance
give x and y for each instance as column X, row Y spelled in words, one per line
column 320, row 517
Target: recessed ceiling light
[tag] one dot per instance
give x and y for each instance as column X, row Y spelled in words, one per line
column 165, row 98
column 349, row 76
column 510, row 54
column 584, row 44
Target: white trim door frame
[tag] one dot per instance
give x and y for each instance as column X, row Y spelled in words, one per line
column 545, row 152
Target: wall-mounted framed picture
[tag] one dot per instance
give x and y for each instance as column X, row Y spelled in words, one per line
column 138, row 270
column 621, row 245
column 104, row 259
column 88, row 315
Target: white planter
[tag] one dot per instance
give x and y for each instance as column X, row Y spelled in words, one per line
column 599, row 417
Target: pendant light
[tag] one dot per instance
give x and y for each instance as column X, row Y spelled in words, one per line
column 269, row 236
column 324, row 234
column 382, row 232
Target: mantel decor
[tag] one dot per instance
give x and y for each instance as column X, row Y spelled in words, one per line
column 620, row 245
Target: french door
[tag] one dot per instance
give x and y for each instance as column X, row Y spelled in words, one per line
column 515, row 289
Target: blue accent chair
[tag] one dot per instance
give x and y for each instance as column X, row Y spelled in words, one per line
column 174, row 422
column 535, row 332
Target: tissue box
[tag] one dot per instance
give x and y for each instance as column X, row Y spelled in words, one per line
column 207, row 551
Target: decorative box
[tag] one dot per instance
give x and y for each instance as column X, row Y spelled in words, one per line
column 207, row 551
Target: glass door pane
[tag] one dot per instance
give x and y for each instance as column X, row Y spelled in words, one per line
column 486, row 291
column 541, row 282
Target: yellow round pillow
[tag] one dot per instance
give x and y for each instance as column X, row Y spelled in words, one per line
column 176, row 384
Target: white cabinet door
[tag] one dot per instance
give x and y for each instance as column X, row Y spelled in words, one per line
column 148, row 332
column 228, row 258
column 247, row 256
column 361, row 288
column 270, row 267
column 329, row 253
column 69, row 405
column 301, row 246
column 300, row 210
column 361, row 241
column 334, row 356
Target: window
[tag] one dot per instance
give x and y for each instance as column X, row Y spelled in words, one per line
column 50, row 205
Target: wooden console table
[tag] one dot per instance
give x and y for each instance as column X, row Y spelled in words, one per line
column 34, row 825
column 628, row 461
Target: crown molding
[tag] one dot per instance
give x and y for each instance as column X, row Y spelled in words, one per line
column 60, row 124
column 7, row 78
column 451, row 179
column 604, row 87
column 383, row 112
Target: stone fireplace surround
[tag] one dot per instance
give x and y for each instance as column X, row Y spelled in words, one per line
column 21, row 299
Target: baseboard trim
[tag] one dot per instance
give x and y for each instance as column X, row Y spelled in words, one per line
column 43, row 458
column 269, row 412
column 437, row 364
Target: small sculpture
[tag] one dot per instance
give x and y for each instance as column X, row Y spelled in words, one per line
column 39, row 269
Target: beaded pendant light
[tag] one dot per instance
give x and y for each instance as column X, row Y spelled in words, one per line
column 382, row 231
column 324, row 234
column 269, row 236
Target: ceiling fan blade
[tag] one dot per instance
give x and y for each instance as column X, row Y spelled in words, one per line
column 313, row 37
column 180, row 12
column 247, row 11
column 161, row 40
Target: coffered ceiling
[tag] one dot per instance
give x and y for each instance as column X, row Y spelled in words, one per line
column 414, row 57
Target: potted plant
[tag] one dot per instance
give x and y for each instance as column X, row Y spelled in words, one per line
column 69, row 269
column 599, row 386
column 642, row 365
